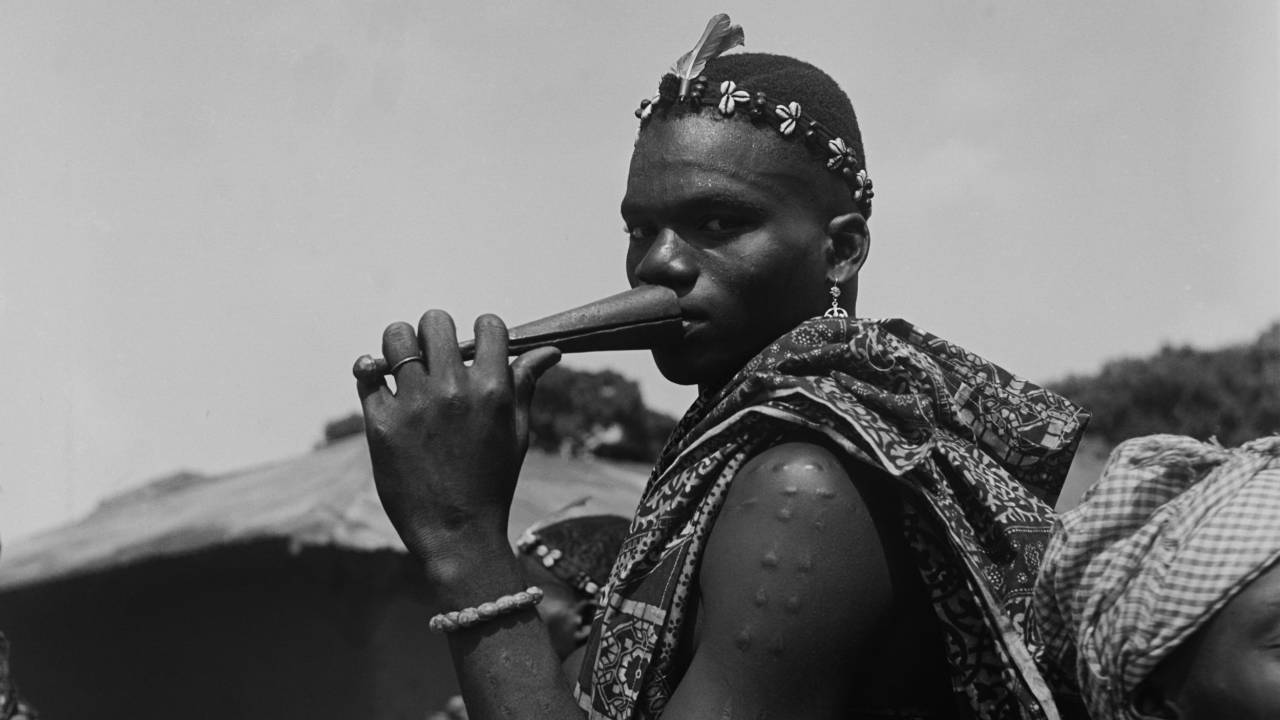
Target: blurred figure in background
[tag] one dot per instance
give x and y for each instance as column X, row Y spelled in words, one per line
column 1159, row 595
column 570, row 560
column 12, row 707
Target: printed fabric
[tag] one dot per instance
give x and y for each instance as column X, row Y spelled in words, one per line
column 982, row 451
column 1175, row 528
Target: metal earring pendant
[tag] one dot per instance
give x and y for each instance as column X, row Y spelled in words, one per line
column 835, row 311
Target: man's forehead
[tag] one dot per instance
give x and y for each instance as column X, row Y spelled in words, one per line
column 692, row 153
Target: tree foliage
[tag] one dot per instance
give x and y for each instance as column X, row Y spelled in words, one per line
column 576, row 412
column 602, row 412
column 345, row 426
column 1232, row 393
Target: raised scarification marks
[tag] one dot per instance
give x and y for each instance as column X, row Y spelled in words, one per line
column 774, row 647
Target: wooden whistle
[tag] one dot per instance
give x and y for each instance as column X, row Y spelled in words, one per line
column 639, row 319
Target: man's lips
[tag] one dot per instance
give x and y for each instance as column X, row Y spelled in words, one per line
column 693, row 321
column 693, row 328
column 692, row 318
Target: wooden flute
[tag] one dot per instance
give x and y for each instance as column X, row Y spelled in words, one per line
column 639, row 319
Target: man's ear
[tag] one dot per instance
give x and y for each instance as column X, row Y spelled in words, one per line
column 1151, row 703
column 848, row 242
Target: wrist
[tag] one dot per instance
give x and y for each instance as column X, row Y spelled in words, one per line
column 473, row 571
column 443, row 537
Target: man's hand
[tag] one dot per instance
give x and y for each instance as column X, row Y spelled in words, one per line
column 448, row 443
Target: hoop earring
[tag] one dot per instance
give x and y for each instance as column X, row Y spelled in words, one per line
column 835, row 311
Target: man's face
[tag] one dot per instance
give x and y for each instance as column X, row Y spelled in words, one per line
column 731, row 219
column 1231, row 667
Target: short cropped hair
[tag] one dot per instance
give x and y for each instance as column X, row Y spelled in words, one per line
column 786, row 79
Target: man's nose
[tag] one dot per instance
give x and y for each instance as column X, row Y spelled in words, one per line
column 668, row 262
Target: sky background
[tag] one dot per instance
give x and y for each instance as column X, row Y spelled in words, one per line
column 208, row 209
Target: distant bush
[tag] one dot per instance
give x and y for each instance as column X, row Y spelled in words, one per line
column 579, row 411
column 1231, row 393
column 576, row 412
column 646, row 445
column 346, row 426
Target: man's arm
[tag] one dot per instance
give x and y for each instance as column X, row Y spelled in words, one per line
column 446, row 447
column 795, row 585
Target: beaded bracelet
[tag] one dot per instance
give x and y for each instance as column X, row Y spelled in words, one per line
column 468, row 617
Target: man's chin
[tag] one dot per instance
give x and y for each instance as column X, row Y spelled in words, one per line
column 683, row 367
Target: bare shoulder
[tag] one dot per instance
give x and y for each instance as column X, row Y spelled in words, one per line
column 792, row 467
column 796, row 583
column 811, row 518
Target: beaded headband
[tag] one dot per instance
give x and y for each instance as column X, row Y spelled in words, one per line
column 788, row 118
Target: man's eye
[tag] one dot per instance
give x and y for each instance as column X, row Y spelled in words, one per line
column 638, row 232
column 724, row 225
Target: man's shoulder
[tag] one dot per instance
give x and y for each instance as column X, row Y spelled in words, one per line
column 796, row 469
column 796, row 583
column 803, row 508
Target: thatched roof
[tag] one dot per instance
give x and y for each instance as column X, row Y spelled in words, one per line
column 325, row 497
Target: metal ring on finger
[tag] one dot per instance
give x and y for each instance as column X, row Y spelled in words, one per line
column 406, row 361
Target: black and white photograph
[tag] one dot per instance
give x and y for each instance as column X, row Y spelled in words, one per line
column 413, row 360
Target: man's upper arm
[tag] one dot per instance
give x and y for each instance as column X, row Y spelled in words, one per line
column 794, row 587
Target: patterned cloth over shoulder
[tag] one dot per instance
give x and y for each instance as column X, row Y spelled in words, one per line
column 981, row 450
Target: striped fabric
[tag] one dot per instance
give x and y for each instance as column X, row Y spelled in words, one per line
column 1173, row 530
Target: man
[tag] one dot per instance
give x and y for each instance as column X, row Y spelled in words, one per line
column 1159, row 597
column 843, row 525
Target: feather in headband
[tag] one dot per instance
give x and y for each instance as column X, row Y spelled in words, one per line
column 718, row 37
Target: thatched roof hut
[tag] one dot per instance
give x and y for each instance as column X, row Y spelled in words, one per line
column 279, row 591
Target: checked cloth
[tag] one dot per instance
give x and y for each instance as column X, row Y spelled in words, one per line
column 1174, row 529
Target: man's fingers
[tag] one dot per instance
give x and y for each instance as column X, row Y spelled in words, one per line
column 366, row 366
column 439, row 340
column 371, row 386
column 491, row 344
column 526, row 370
column 368, row 379
column 400, row 342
